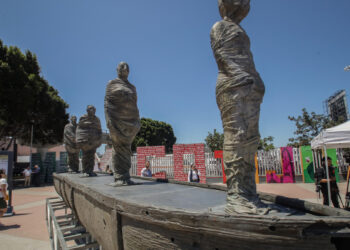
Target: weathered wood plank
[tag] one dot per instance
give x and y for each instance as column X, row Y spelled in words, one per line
column 133, row 217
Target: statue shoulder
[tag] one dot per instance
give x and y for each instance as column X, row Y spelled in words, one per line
column 68, row 126
column 98, row 123
column 132, row 86
column 224, row 25
column 219, row 29
column 217, row 26
column 82, row 118
column 114, row 82
column 97, row 119
column 111, row 82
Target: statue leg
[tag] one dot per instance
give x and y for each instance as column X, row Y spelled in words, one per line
column 73, row 162
column 241, row 136
column 121, row 162
column 89, row 162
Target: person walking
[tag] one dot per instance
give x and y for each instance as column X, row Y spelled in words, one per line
column 27, row 176
column 193, row 174
column 3, row 193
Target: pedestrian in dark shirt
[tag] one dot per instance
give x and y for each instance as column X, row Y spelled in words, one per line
column 333, row 184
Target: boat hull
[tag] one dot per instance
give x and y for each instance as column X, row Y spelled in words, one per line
column 159, row 216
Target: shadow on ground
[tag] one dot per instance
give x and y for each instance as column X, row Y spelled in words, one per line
column 6, row 227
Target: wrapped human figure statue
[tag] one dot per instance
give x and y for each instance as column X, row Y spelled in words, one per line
column 70, row 143
column 239, row 93
column 89, row 136
column 123, row 122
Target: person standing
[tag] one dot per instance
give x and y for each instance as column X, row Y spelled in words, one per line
column 3, row 193
column 333, row 184
column 193, row 174
column 27, row 175
column 146, row 172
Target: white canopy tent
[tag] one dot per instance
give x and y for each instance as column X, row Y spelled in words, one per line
column 335, row 137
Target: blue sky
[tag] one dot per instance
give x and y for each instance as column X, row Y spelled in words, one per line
column 300, row 49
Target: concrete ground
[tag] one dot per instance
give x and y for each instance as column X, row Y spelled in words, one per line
column 26, row 230
column 304, row 191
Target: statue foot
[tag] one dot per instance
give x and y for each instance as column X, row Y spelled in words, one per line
column 119, row 183
column 241, row 205
column 71, row 171
column 88, row 175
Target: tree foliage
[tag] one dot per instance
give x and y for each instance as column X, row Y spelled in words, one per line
column 26, row 98
column 215, row 140
column 308, row 125
column 266, row 143
column 154, row 133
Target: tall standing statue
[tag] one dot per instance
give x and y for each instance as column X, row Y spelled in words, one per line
column 71, row 144
column 239, row 93
column 123, row 122
column 89, row 136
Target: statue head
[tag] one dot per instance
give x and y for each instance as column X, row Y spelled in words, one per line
column 73, row 119
column 234, row 10
column 123, row 71
column 91, row 110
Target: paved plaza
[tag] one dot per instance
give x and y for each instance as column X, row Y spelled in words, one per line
column 27, row 228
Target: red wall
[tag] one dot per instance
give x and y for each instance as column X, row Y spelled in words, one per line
column 198, row 150
column 105, row 159
column 142, row 152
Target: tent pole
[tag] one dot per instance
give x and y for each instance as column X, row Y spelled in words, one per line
column 319, row 158
column 313, row 160
column 327, row 172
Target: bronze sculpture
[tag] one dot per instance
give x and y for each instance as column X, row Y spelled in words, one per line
column 123, row 122
column 239, row 93
column 88, row 136
column 71, row 145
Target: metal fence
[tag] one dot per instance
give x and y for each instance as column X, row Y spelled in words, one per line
column 166, row 164
column 297, row 162
column 269, row 161
column 162, row 164
column 188, row 160
column 133, row 169
column 343, row 165
column 213, row 166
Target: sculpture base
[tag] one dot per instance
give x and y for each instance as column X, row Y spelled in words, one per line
column 73, row 172
column 86, row 175
column 162, row 215
column 120, row 183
